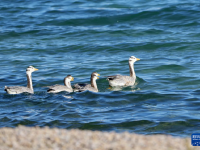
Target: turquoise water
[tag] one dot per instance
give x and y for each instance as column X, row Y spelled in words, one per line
column 83, row 36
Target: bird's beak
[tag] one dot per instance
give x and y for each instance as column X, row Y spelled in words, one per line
column 72, row 79
column 98, row 74
column 137, row 59
column 97, row 77
column 35, row 69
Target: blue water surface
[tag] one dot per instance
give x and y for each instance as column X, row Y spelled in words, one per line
column 80, row 37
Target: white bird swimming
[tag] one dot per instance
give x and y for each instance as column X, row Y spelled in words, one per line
column 59, row 88
column 120, row 80
column 22, row 89
column 91, row 87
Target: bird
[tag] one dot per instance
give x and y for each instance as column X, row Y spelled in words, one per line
column 22, row 89
column 121, row 80
column 80, row 87
column 59, row 88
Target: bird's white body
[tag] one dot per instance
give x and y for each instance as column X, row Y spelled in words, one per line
column 120, row 80
column 90, row 87
column 21, row 89
column 59, row 88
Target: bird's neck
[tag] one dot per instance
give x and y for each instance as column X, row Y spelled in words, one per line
column 93, row 83
column 67, row 83
column 29, row 81
column 132, row 71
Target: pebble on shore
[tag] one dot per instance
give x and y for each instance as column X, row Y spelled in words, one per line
column 36, row 138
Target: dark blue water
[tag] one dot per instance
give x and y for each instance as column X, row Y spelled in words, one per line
column 83, row 36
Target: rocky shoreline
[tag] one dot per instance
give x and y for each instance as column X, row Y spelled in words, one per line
column 35, row 138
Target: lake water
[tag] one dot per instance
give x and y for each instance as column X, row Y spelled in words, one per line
column 83, row 36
